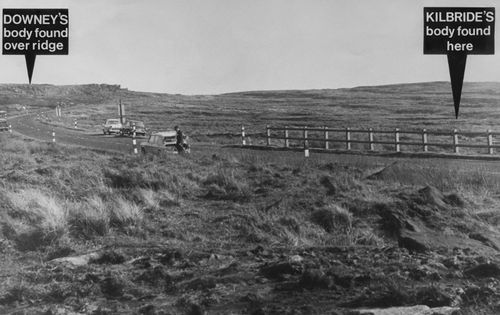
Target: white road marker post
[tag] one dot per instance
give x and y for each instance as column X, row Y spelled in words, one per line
column 490, row 142
column 370, row 139
column 53, row 136
column 268, row 135
column 10, row 129
column 348, row 138
column 243, row 141
column 76, row 124
column 396, row 140
column 306, row 143
column 424, row 140
column 134, row 141
column 455, row 140
column 287, row 143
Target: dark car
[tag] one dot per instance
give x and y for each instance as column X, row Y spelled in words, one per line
column 4, row 126
column 140, row 128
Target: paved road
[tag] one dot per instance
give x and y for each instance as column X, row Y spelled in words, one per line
column 29, row 126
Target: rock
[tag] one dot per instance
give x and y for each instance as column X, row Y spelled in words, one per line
column 483, row 271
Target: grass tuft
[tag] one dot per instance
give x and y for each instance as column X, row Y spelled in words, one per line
column 223, row 185
column 124, row 212
column 333, row 218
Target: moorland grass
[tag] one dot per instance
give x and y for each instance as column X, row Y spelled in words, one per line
column 261, row 196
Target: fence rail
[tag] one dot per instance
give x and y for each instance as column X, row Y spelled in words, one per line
column 372, row 139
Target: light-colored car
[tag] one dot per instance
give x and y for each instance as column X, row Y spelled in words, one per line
column 113, row 126
column 160, row 142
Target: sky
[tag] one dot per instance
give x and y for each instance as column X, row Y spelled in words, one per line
column 218, row 46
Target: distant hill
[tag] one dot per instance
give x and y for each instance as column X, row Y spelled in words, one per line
column 47, row 95
column 410, row 106
column 429, row 88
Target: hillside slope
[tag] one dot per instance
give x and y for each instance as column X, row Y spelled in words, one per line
column 409, row 106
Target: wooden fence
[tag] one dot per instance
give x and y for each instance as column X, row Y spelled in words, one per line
column 377, row 140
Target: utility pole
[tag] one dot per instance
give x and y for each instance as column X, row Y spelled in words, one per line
column 120, row 111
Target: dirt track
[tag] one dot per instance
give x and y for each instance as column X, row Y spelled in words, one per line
column 29, row 126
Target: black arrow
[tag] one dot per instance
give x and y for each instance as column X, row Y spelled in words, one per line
column 30, row 64
column 456, row 63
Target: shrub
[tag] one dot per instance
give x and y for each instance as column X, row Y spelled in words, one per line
column 124, row 212
column 39, row 208
column 333, row 218
column 223, row 185
column 91, row 217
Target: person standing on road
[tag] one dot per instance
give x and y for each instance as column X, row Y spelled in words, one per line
column 179, row 140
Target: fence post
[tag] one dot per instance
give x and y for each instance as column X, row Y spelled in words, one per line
column 424, row 139
column 243, row 140
column 287, row 144
column 348, row 138
column 268, row 135
column 370, row 138
column 327, row 144
column 455, row 140
column 10, row 129
column 490, row 142
column 396, row 140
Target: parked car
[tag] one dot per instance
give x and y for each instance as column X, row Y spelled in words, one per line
column 160, row 142
column 128, row 128
column 4, row 126
column 113, row 126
